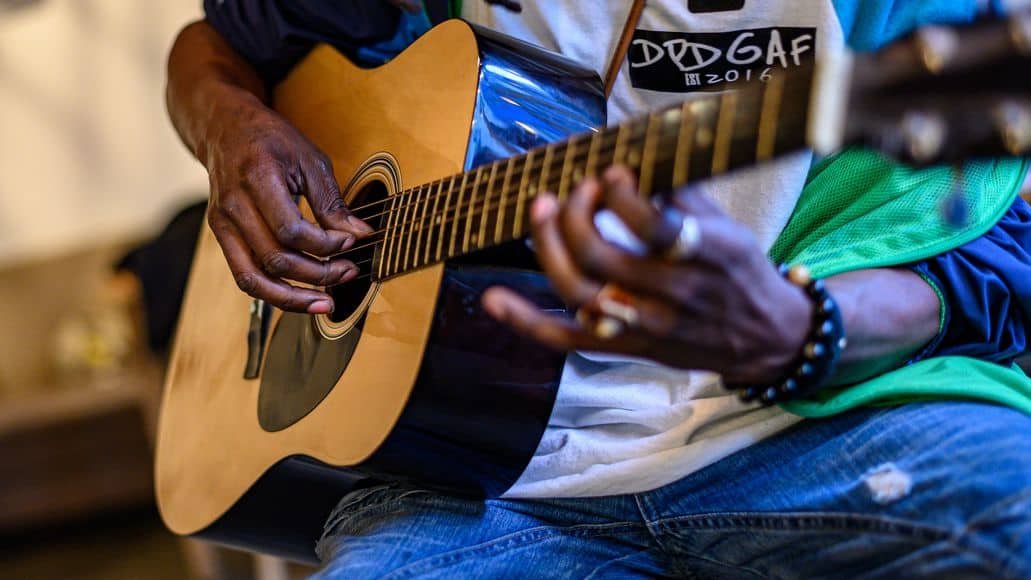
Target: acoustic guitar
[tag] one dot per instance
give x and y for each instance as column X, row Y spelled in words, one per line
column 269, row 418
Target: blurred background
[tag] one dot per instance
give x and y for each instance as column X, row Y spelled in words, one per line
column 89, row 167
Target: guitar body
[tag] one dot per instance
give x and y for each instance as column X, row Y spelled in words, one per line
column 409, row 378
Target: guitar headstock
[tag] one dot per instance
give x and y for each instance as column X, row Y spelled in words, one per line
column 940, row 95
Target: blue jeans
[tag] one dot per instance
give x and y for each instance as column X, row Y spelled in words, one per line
column 937, row 490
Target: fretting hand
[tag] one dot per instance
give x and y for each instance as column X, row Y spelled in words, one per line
column 724, row 309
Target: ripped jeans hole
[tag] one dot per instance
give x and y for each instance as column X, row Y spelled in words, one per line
column 888, row 484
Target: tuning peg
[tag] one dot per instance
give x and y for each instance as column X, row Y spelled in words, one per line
column 1014, row 123
column 924, row 135
column 937, row 46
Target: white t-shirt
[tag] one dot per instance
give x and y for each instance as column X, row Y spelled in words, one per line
column 623, row 425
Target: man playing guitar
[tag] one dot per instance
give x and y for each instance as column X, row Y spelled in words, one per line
column 652, row 464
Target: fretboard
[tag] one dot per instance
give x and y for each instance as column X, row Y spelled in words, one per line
column 701, row 138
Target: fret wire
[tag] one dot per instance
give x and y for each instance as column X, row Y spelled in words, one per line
column 481, row 238
column 724, row 132
column 424, row 202
column 458, row 208
column 442, row 236
column 472, row 211
column 563, row 182
column 500, row 225
column 685, row 142
column 522, row 193
column 592, row 153
column 705, row 111
column 399, row 226
column 621, row 137
column 549, row 152
column 411, row 230
column 648, row 160
column 426, row 223
column 662, row 156
column 773, row 92
column 401, row 230
column 434, row 220
column 459, row 213
column 384, row 255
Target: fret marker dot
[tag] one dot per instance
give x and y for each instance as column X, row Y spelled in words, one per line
column 633, row 158
column 705, row 137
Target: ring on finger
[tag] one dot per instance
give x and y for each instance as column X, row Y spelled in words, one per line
column 610, row 314
column 689, row 240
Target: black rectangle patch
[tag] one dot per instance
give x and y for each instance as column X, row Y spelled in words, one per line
column 703, row 6
column 681, row 62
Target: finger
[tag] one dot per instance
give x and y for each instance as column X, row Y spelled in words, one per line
column 268, row 188
column 569, row 281
column 554, row 331
column 326, row 202
column 250, row 279
column 658, row 230
column 280, row 262
column 600, row 260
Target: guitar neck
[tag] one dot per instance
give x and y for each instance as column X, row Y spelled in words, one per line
column 698, row 139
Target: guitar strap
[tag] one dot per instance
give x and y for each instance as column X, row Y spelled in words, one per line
column 616, row 63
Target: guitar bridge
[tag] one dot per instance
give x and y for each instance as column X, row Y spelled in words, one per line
column 257, row 333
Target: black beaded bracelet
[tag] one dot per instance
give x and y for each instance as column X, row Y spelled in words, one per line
column 819, row 356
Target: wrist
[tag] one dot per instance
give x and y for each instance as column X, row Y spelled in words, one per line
column 787, row 332
column 824, row 342
column 228, row 111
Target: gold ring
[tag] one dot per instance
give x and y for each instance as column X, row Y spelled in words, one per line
column 610, row 314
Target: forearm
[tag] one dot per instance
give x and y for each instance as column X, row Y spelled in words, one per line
column 889, row 316
column 206, row 79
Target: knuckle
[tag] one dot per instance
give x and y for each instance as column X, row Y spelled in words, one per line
column 257, row 170
column 276, row 263
column 335, row 204
column 322, row 163
column 246, row 282
column 328, row 276
column 229, row 206
column 293, row 304
column 289, row 233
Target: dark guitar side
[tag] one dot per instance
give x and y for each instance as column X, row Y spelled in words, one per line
column 484, row 394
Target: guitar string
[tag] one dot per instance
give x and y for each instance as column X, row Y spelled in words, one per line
column 660, row 158
column 455, row 215
column 638, row 135
column 419, row 224
column 426, row 223
column 754, row 91
column 517, row 171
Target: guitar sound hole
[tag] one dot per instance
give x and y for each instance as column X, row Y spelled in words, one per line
column 369, row 205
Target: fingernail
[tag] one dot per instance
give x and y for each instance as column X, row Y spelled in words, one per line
column 320, row 307
column 543, row 208
column 359, row 225
column 349, row 274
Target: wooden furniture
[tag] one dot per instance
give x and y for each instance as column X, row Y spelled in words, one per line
column 75, row 447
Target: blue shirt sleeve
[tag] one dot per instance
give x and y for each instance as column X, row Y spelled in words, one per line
column 274, row 34
column 870, row 24
column 986, row 286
